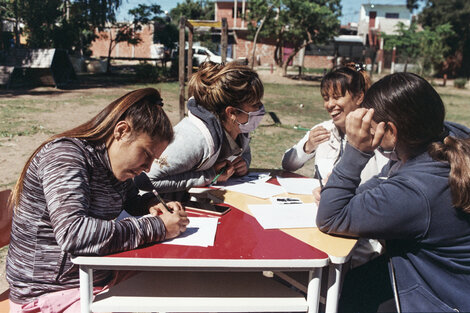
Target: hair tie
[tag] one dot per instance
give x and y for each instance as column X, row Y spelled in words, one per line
column 159, row 102
column 360, row 67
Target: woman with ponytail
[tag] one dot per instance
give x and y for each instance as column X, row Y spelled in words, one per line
column 69, row 194
column 343, row 91
column 419, row 204
column 223, row 108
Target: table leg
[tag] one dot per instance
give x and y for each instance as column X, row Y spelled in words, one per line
column 86, row 288
column 334, row 288
column 313, row 290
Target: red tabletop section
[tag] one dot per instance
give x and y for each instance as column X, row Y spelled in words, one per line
column 239, row 236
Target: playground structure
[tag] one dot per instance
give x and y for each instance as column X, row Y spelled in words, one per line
column 193, row 25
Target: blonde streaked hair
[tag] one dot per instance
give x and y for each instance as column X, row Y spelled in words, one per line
column 216, row 86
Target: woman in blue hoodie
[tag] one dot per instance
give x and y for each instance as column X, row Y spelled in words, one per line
column 223, row 108
column 419, row 204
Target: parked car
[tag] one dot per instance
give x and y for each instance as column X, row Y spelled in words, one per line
column 202, row 54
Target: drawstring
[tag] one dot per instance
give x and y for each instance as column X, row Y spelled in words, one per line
column 341, row 150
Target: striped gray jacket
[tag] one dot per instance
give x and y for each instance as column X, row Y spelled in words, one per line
column 68, row 207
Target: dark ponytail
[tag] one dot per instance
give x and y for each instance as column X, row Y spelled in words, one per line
column 457, row 153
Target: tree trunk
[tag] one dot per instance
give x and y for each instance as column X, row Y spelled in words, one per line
column 256, row 36
column 406, row 65
column 110, row 49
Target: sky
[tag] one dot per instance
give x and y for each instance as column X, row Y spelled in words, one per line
column 350, row 7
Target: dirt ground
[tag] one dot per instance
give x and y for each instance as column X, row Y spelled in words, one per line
column 15, row 151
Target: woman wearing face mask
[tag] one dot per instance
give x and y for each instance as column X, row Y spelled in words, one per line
column 69, row 194
column 419, row 204
column 224, row 107
column 342, row 90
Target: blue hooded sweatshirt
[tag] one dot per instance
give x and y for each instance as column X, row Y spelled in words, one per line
column 427, row 238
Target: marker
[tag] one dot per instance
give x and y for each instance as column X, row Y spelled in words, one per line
column 162, row 201
column 317, row 171
column 301, row 128
column 218, row 175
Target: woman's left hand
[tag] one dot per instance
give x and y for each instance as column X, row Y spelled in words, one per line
column 240, row 166
column 360, row 134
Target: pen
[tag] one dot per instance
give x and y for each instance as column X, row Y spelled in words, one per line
column 218, row 175
column 317, row 171
column 162, row 201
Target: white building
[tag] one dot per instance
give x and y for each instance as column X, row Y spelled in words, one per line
column 381, row 18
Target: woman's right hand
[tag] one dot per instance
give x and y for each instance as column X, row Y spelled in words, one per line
column 228, row 172
column 176, row 222
column 360, row 133
column 316, row 136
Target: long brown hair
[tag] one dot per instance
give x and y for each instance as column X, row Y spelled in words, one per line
column 416, row 109
column 216, row 86
column 143, row 109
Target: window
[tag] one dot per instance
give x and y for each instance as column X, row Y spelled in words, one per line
column 392, row 15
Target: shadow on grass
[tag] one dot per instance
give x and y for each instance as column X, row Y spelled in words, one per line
column 120, row 76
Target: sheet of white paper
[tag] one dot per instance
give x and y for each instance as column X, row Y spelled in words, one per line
column 300, row 186
column 200, row 232
column 253, row 184
column 285, row 216
column 260, row 190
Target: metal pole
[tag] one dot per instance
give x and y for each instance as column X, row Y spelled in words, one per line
column 181, row 66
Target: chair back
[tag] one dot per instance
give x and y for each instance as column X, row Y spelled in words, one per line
column 6, row 214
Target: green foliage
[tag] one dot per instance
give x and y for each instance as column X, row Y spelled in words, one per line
column 434, row 47
column 455, row 12
column 427, row 47
column 294, row 23
column 193, row 10
column 147, row 73
column 460, row 83
column 61, row 23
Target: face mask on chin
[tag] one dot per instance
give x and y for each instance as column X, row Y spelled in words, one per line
column 254, row 118
column 389, row 154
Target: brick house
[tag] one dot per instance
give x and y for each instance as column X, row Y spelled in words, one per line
column 314, row 56
column 146, row 49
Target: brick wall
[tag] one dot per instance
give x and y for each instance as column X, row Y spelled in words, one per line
column 100, row 46
column 318, row 61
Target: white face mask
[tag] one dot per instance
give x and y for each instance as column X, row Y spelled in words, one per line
column 254, row 118
column 389, row 154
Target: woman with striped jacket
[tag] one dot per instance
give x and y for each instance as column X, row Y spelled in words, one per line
column 69, row 194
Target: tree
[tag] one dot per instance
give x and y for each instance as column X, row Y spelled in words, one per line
column 193, row 10
column 455, row 12
column 67, row 24
column 407, row 42
column 426, row 47
column 294, row 23
column 434, row 47
column 129, row 32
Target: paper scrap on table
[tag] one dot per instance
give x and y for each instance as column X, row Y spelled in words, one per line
column 285, row 216
column 252, row 184
column 200, row 232
column 300, row 186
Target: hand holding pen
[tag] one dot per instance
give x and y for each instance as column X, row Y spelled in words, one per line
column 224, row 170
column 162, row 201
column 174, row 218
